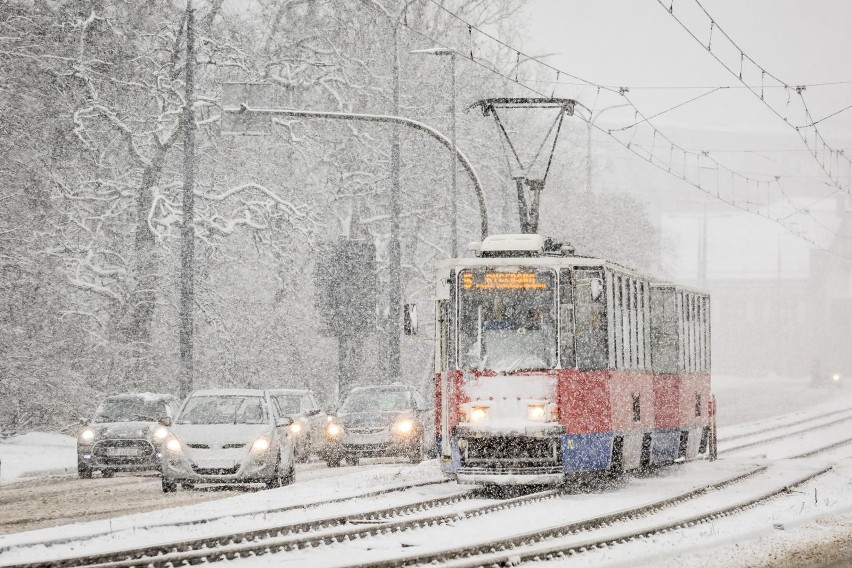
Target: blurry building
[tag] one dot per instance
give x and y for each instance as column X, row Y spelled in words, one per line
column 778, row 304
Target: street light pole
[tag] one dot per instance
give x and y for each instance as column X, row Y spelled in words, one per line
column 454, row 157
column 589, row 126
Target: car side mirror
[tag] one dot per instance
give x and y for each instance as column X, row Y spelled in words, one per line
column 284, row 421
column 165, row 421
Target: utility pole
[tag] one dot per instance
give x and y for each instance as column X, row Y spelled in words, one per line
column 187, row 233
column 395, row 252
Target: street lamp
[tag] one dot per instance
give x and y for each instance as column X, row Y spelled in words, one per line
column 453, row 160
column 589, row 144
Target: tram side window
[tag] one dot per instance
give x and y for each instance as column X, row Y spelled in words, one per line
column 590, row 320
column 618, row 331
column 666, row 349
column 567, row 355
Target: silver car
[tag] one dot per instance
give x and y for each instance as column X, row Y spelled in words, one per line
column 228, row 436
column 123, row 435
column 308, row 419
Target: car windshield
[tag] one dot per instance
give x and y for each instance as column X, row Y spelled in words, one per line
column 223, row 410
column 130, row 410
column 289, row 403
column 376, row 400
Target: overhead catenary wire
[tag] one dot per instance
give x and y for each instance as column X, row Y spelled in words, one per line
column 820, row 146
column 683, row 163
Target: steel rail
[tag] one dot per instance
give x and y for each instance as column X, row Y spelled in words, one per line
column 783, row 436
column 283, row 509
column 152, row 555
column 484, row 553
column 292, row 541
column 782, row 426
column 552, row 552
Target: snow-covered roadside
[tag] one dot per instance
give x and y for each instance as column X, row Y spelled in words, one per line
column 37, row 454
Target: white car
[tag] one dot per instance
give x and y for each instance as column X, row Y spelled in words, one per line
column 228, row 436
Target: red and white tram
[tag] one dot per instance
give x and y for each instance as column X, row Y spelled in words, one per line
column 550, row 364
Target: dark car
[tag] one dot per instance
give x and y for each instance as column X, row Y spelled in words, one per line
column 124, row 434
column 385, row 420
column 308, row 419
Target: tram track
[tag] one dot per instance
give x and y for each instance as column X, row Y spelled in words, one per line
column 771, row 439
column 360, row 525
column 507, row 551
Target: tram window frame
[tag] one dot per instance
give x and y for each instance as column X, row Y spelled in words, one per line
column 617, row 321
column 453, row 324
column 566, row 343
column 610, row 315
column 592, row 344
column 625, row 322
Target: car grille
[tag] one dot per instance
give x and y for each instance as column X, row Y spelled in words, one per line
column 199, row 446
column 123, row 452
column 511, row 453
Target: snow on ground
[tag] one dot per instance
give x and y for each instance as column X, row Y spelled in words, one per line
column 37, row 454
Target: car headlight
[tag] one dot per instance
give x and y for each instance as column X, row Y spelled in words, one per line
column 261, row 444
column 835, row 377
column 535, row 412
column 334, row 430
column 160, row 433
column 87, row 435
column 296, row 428
column 404, row 426
column 173, row 445
column 478, row 413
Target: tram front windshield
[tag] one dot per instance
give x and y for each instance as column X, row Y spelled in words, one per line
column 507, row 320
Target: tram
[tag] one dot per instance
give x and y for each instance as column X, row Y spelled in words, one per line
column 551, row 365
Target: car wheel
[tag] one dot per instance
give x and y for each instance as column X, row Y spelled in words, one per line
column 108, row 472
column 169, row 486
column 416, row 455
column 290, row 478
column 332, row 458
column 84, row 471
column 353, row 459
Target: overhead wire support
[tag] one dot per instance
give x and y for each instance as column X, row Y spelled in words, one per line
column 789, row 209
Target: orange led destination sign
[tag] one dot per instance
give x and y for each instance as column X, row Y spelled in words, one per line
column 503, row 281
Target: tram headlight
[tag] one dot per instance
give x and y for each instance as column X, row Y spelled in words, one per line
column 478, row 413
column 536, row 412
column 404, row 426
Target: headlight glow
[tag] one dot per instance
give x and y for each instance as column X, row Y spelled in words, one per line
column 535, row 412
column 404, row 426
column 295, row 428
column 333, row 430
column 87, row 435
column 478, row 413
column 835, row 377
column 160, row 433
column 173, row 445
column 261, row 444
